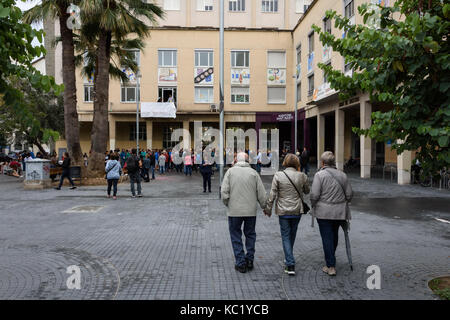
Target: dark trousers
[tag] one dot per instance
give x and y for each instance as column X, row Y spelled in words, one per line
column 288, row 229
column 145, row 175
column 65, row 174
column 206, row 181
column 135, row 178
column 112, row 183
column 235, row 227
column 329, row 231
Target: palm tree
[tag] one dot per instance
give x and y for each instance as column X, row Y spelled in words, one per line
column 107, row 25
column 58, row 9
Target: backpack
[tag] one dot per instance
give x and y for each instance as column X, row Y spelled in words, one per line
column 131, row 164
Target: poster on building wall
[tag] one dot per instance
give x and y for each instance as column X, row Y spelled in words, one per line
column 310, row 62
column 240, row 76
column 323, row 91
column 89, row 80
column 209, row 80
column 130, row 74
column 276, row 76
column 326, row 53
column 167, row 75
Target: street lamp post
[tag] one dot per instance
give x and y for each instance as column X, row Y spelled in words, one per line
column 295, row 113
column 138, row 98
column 221, row 71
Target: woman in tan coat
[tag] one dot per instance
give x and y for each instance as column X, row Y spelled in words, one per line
column 287, row 192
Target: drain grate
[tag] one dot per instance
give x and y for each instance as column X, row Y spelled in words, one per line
column 88, row 209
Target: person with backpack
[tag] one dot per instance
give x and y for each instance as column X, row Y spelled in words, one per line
column 146, row 165
column 288, row 189
column 330, row 194
column 113, row 172
column 133, row 172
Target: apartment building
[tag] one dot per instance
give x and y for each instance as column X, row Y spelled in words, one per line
column 270, row 62
column 325, row 121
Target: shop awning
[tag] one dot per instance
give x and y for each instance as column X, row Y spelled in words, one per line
column 158, row 110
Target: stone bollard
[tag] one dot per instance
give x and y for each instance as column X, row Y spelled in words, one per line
column 37, row 174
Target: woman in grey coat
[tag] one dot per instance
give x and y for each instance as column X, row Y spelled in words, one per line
column 330, row 194
column 288, row 189
column 113, row 171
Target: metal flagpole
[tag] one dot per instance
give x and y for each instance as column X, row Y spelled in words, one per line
column 221, row 71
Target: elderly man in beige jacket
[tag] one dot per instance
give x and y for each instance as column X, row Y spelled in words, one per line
column 242, row 189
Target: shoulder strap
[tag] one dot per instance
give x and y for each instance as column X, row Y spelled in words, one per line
column 338, row 182
column 112, row 167
column 299, row 194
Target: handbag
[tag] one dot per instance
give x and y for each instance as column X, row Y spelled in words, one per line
column 306, row 208
column 106, row 174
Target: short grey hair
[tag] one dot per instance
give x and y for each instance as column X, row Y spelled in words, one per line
column 328, row 159
column 241, row 157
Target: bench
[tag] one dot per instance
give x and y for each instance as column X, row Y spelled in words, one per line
column 54, row 172
column 75, row 173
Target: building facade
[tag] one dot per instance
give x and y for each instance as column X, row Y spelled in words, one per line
column 270, row 63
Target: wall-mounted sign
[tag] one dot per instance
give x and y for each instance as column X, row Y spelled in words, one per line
column 326, row 53
column 167, row 75
column 89, row 80
column 276, row 76
column 310, row 62
column 285, row 117
column 204, row 76
column 240, row 76
column 323, row 91
column 130, row 74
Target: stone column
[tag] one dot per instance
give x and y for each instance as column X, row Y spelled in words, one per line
column 149, row 128
column 339, row 138
column 320, row 137
column 404, row 168
column 186, row 135
column 366, row 142
column 112, row 133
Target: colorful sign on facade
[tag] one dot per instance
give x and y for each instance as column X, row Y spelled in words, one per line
column 310, row 62
column 240, row 76
column 167, row 75
column 323, row 91
column 208, row 81
column 326, row 53
column 276, row 76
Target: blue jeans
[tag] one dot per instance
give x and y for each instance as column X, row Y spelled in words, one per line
column 288, row 229
column 329, row 231
column 153, row 171
column 305, row 168
column 188, row 170
column 161, row 169
column 235, row 227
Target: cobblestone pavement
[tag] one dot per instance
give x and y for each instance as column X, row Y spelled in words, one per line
column 174, row 244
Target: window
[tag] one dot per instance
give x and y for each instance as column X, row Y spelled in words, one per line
column 301, row 6
column 240, row 95
column 276, row 77
column 236, row 5
column 204, row 5
column 167, row 136
column 204, row 58
column 88, row 93
column 142, row 131
column 167, row 94
column 276, row 95
column 310, row 85
column 128, row 93
column 276, row 59
column 167, row 58
column 327, row 25
column 311, row 42
column 204, row 94
column 299, row 54
column 347, row 66
column 299, row 91
column 349, row 8
column 240, row 59
column 269, row 6
column 171, row 4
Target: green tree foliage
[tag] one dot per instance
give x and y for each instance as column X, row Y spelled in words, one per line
column 402, row 62
column 45, row 108
column 16, row 56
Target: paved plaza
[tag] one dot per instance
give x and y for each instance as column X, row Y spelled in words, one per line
column 174, row 244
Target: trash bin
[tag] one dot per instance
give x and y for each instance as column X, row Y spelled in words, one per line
column 37, row 174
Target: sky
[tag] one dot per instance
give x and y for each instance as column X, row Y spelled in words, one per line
column 25, row 6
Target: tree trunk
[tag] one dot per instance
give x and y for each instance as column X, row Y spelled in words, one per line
column 100, row 125
column 71, row 124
